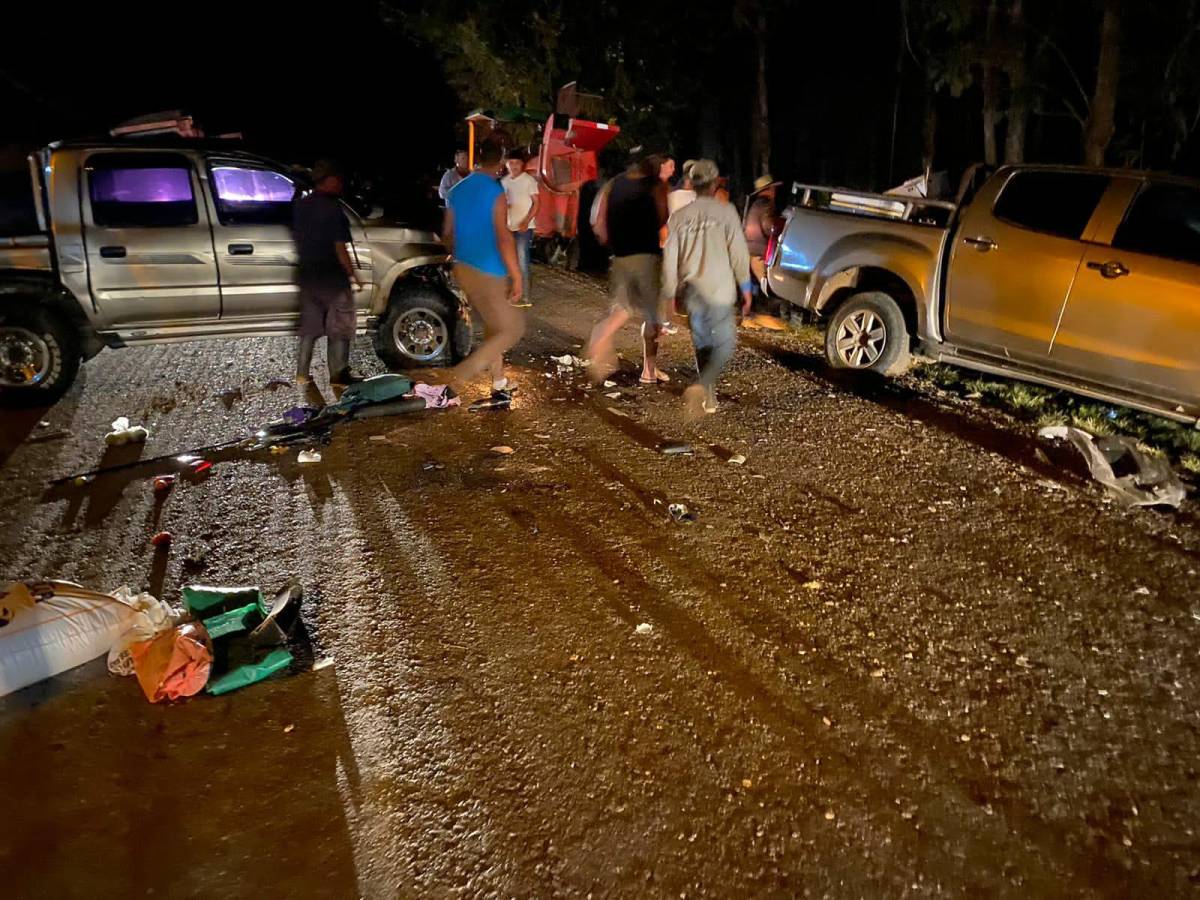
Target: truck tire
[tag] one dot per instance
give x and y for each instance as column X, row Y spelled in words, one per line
column 868, row 333
column 423, row 327
column 39, row 356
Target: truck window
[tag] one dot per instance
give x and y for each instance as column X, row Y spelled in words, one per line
column 134, row 190
column 250, row 196
column 1164, row 220
column 1059, row 203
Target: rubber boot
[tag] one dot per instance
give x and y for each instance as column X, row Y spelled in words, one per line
column 304, row 358
column 339, row 362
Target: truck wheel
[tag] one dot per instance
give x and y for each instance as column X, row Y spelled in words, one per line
column 422, row 327
column 868, row 333
column 39, row 357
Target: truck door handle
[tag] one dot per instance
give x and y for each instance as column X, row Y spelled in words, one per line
column 112, row 252
column 1110, row 269
column 981, row 243
column 241, row 249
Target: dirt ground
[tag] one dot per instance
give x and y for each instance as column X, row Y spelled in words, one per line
column 899, row 651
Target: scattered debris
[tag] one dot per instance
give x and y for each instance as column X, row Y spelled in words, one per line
column 502, row 449
column 288, row 729
column 1143, row 592
column 48, row 627
column 811, row 585
column 322, row 664
column 680, row 513
column 763, row 322
column 747, row 783
column 618, row 412
column 374, row 437
column 615, row 395
column 609, row 383
column 298, row 415
column 1132, row 476
column 308, row 456
column 164, row 482
column 676, row 449
column 123, row 433
column 567, row 361
column 645, row 628
column 174, row 664
column 151, row 617
column 737, row 460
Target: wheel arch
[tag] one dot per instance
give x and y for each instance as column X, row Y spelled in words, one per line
column 426, row 269
column 18, row 287
column 840, row 287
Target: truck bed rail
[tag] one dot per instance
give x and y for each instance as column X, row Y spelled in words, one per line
column 897, row 207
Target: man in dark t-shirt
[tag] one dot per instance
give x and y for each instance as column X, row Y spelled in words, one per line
column 324, row 272
column 632, row 212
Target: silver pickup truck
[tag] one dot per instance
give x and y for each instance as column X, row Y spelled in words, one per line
column 1081, row 279
column 140, row 243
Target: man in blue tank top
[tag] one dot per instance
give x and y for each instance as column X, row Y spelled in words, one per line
column 485, row 267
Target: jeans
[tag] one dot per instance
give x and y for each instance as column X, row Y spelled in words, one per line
column 524, row 241
column 714, row 335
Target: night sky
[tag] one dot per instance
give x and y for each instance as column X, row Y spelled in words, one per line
column 345, row 85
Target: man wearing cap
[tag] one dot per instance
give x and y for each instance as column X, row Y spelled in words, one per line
column 324, row 273
column 707, row 264
column 760, row 218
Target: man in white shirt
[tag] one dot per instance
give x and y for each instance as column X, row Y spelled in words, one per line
column 683, row 194
column 521, row 190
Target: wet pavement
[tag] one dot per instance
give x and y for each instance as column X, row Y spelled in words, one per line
column 902, row 650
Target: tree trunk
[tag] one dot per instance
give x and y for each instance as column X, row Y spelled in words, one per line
column 929, row 130
column 760, row 132
column 991, row 87
column 1101, row 121
column 1018, row 87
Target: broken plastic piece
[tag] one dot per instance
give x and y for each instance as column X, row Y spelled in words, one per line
column 676, row 449
column 308, row 456
column 1133, row 477
column 645, row 628
column 200, row 466
column 737, row 460
column 204, row 599
column 242, row 676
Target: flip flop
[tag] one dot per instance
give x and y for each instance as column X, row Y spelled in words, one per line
column 659, row 378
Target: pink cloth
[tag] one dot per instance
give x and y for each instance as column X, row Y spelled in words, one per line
column 435, row 396
column 173, row 664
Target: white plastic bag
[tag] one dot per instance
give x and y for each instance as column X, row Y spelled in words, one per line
column 48, row 627
column 151, row 616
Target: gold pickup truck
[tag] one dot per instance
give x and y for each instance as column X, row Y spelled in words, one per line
column 1081, row 279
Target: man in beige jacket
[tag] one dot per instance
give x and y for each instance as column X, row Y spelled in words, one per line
column 706, row 263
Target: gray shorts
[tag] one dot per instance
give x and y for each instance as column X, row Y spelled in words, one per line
column 326, row 311
column 636, row 281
